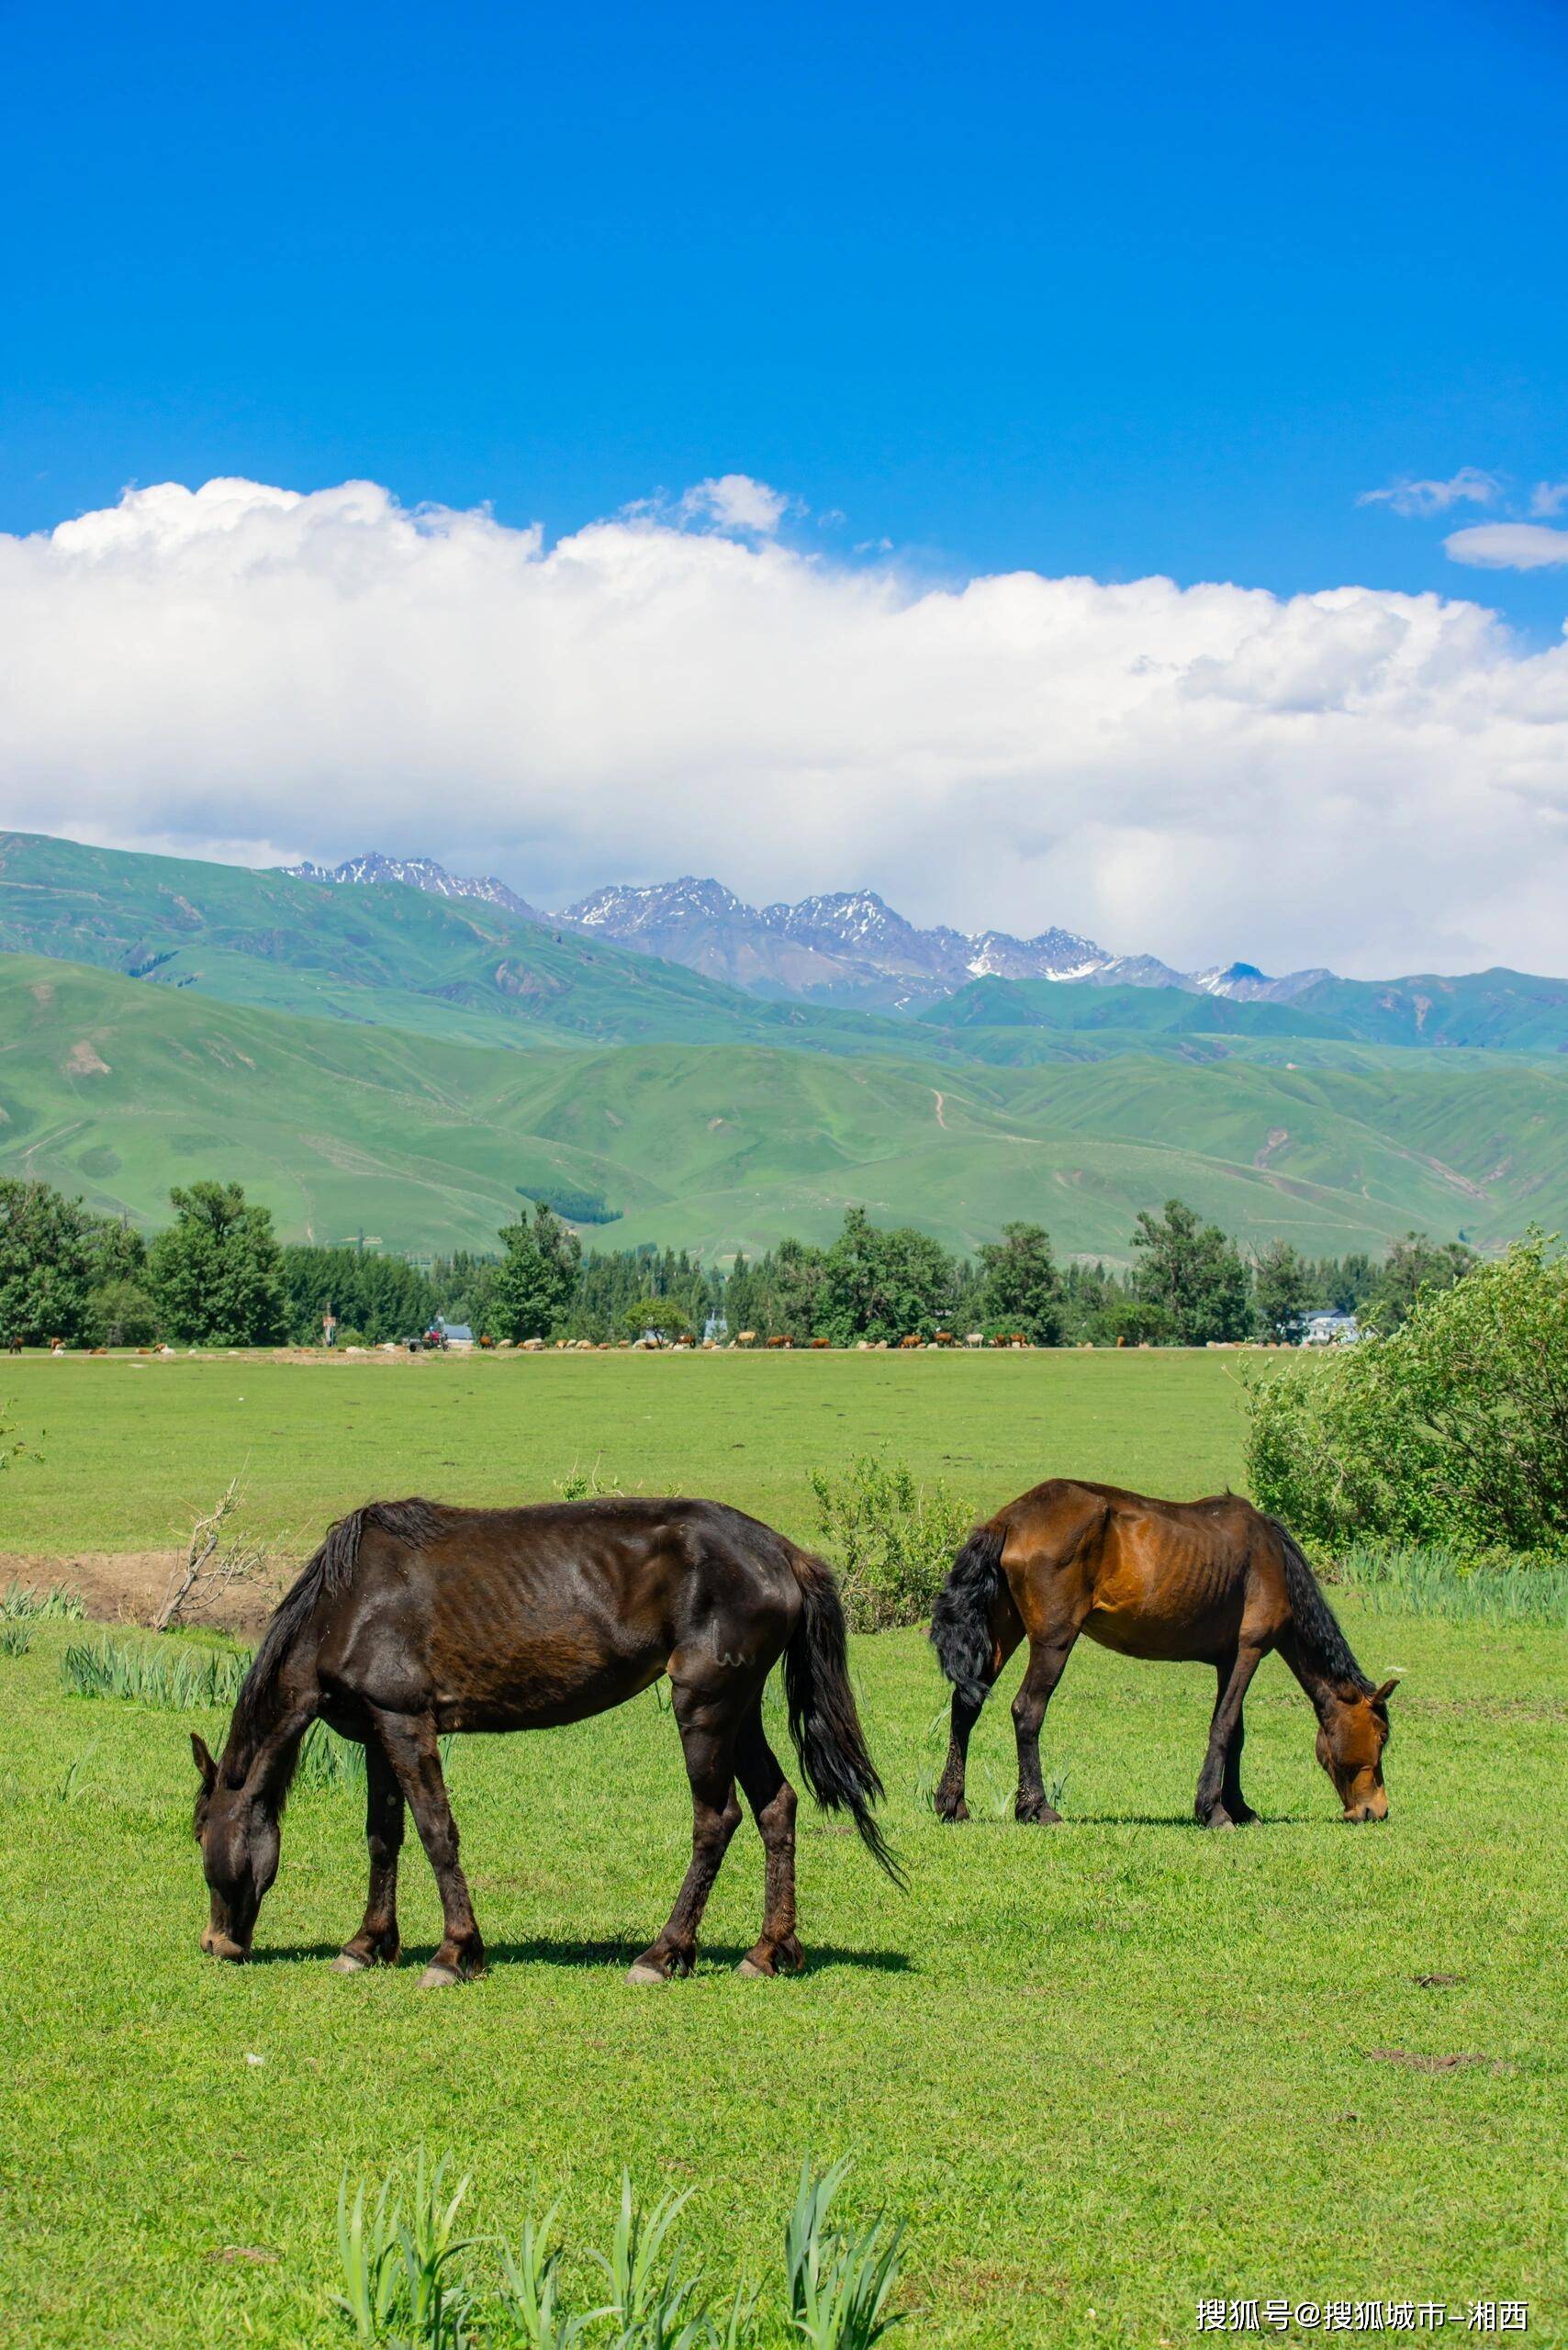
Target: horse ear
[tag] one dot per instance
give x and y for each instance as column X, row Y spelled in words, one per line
column 1381, row 1696
column 204, row 1761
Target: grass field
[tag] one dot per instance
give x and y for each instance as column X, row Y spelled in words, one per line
column 131, row 1448
column 1099, row 2070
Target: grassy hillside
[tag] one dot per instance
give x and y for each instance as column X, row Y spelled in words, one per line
column 117, row 1089
column 1049, row 1004
column 1512, row 1010
column 454, row 969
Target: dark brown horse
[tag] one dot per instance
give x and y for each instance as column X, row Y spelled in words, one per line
column 413, row 1618
column 1212, row 1582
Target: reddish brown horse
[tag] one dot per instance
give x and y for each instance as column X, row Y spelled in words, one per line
column 1212, row 1581
column 413, row 1618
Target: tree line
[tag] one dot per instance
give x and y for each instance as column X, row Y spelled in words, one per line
column 216, row 1275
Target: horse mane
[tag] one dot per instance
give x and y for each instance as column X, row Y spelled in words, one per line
column 325, row 1573
column 1316, row 1627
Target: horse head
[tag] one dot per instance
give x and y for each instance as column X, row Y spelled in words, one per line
column 1351, row 1734
column 238, row 1832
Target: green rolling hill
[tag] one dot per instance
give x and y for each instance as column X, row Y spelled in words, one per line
column 116, row 1088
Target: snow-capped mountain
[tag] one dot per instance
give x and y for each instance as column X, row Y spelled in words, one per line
column 848, row 945
column 845, row 947
column 417, row 873
column 1247, row 984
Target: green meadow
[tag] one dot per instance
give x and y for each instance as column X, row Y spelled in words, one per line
column 1099, row 2071
column 132, row 1448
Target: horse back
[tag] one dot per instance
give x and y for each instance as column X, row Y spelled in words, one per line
column 526, row 1617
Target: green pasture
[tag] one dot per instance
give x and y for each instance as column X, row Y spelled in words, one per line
column 1101, row 2070
column 132, row 1448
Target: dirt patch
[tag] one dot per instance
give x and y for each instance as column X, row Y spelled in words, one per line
column 83, row 1061
column 127, row 1587
column 1418, row 2063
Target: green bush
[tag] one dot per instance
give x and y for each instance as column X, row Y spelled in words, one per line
column 891, row 1543
column 1451, row 1432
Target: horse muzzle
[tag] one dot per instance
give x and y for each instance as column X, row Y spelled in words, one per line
column 1375, row 1807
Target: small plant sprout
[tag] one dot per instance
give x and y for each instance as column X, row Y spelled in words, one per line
column 649, row 2298
column 398, row 2280
column 840, row 2284
column 15, row 1639
column 69, row 1783
column 532, row 2288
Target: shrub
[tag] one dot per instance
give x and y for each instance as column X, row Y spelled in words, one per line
column 891, row 1543
column 31, row 1601
column 179, row 1680
column 1452, row 1431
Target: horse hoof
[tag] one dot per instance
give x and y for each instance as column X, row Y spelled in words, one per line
column 436, row 1978
column 748, row 1967
column 642, row 1973
column 346, row 1963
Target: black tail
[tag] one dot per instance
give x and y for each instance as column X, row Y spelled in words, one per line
column 960, row 1621
column 824, row 1722
column 1317, row 1626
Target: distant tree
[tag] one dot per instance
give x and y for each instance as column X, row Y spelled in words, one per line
column 121, row 1313
column 794, row 1277
column 1193, row 1274
column 529, row 1291
column 214, row 1272
column 46, row 1262
column 377, row 1297
column 660, row 1316
column 1283, row 1291
column 881, row 1284
column 1021, row 1285
column 1413, row 1266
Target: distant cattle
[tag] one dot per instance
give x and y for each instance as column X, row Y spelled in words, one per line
column 822, row 1342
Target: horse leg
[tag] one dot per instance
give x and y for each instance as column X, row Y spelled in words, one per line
column 415, row 1756
column 1231, row 1796
column 772, row 1801
column 1048, row 1659
column 1210, row 1808
column 707, row 1723
column 949, row 1796
column 377, row 1943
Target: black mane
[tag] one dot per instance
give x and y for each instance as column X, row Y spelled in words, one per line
column 1318, row 1628
column 414, row 1522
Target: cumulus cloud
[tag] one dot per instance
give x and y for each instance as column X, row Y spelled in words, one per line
column 736, row 502
column 1470, row 485
column 1373, row 780
column 1508, row 546
column 1549, row 497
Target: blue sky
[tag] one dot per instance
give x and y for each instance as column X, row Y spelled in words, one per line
column 1117, row 290
column 1016, row 309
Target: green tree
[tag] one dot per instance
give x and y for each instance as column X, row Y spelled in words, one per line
column 881, row 1284
column 1413, row 1266
column 214, row 1272
column 121, row 1313
column 46, row 1262
column 1021, row 1287
column 530, row 1292
column 1452, row 1429
column 662, row 1315
column 793, row 1277
column 1283, row 1292
column 1193, row 1274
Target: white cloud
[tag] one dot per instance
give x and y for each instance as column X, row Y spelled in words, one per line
column 736, row 503
column 1508, row 546
column 1549, row 497
column 1470, row 485
column 1373, row 780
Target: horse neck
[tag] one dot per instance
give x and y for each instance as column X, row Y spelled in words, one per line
column 264, row 1734
column 1326, row 1684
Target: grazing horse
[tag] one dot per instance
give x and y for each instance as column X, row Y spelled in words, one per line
column 414, row 1619
column 1212, row 1581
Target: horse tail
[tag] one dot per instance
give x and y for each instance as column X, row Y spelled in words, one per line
column 823, row 1720
column 960, row 1621
column 1317, row 1626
